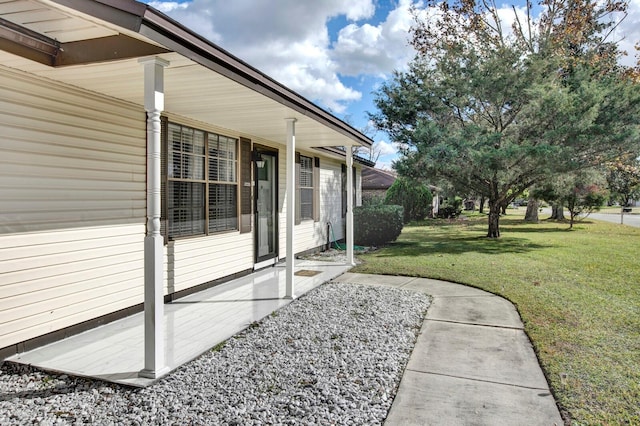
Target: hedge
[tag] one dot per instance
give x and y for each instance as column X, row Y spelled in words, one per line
column 377, row 225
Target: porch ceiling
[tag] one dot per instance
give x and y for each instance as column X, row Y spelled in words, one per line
column 202, row 82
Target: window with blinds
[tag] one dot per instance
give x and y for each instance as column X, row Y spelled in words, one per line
column 202, row 183
column 305, row 184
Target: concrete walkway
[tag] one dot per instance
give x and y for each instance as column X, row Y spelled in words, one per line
column 472, row 364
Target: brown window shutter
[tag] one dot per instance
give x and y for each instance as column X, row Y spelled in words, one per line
column 297, row 206
column 316, row 189
column 164, row 188
column 245, row 185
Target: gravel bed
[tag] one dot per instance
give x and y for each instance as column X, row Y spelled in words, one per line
column 333, row 356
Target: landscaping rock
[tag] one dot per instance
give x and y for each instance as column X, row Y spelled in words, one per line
column 334, row 356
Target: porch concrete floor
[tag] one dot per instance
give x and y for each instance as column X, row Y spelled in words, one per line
column 193, row 324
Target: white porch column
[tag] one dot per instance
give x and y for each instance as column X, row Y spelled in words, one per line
column 291, row 203
column 350, row 259
column 154, row 362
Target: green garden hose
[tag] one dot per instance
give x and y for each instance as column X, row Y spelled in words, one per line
column 339, row 246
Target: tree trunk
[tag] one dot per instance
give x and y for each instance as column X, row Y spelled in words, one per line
column 503, row 209
column 481, row 209
column 532, row 211
column 621, row 215
column 557, row 212
column 494, row 220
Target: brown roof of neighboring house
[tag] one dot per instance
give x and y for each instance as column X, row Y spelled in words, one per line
column 376, row 178
column 382, row 180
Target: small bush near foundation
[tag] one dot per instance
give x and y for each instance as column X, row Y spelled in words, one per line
column 377, row 225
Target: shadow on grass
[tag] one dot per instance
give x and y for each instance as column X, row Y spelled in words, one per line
column 444, row 244
column 508, row 225
column 516, row 229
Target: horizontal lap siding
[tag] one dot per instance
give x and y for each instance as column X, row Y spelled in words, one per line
column 199, row 260
column 331, row 180
column 72, row 206
column 310, row 234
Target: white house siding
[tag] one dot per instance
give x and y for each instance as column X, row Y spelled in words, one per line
column 331, row 197
column 309, row 234
column 72, row 210
column 195, row 261
column 72, row 206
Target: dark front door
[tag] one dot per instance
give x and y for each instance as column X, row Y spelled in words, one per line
column 266, row 198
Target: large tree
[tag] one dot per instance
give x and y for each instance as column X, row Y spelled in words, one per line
column 496, row 111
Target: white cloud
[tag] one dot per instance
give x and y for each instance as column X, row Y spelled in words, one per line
column 385, row 164
column 507, row 18
column 385, row 148
column 628, row 33
column 168, row 6
column 289, row 40
column 376, row 50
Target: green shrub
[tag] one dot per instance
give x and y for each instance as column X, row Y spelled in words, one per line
column 377, row 225
column 415, row 197
column 369, row 199
column 450, row 209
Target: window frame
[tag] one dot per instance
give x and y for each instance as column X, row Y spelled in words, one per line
column 306, row 173
column 315, row 188
column 230, row 156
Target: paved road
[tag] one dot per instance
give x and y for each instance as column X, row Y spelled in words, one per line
column 629, row 219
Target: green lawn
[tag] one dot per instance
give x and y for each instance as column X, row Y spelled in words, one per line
column 578, row 293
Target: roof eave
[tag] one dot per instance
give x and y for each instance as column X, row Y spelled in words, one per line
column 341, row 153
column 155, row 25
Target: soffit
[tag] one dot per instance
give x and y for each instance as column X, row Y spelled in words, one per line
column 191, row 89
column 53, row 22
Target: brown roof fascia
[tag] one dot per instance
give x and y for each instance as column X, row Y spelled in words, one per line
column 27, row 43
column 342, row 153
column 104, row 49
column 151, row 23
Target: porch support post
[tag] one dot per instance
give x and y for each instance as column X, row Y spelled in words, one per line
column 154, row 362
column 291, row 204
column 349, row 237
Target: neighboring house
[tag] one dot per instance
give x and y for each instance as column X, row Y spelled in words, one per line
column 376, row 182
column 139, row 161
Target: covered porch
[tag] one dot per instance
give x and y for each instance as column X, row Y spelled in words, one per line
column 193, row 325
column 130, row 52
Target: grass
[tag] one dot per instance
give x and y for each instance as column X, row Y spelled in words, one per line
column 578, row 293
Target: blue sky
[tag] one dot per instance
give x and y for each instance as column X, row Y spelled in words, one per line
column 333, row 52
